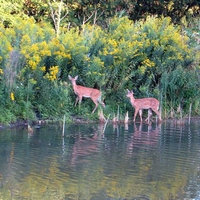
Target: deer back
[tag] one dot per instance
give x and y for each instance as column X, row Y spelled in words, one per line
column 146, row 103
column 86, row 91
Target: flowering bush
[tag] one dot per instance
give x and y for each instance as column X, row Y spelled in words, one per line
column 145, row 55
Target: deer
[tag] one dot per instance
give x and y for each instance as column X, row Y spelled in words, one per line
column 87, row 92
column 144, row 103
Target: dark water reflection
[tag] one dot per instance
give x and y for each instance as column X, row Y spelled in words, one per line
column 140, row 162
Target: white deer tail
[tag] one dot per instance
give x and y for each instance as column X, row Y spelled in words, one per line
column 100, row 101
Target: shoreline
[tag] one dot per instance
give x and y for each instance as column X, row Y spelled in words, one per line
column 78, row 120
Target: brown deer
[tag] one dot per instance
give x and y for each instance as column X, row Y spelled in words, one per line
column 144, row 103
column 87, row 92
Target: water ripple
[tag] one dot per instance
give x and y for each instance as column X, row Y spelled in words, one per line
column 135, row 162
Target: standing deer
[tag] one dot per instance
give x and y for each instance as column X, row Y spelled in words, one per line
column 144, row 103
column 87, row 92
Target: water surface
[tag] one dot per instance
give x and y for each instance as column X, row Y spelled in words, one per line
column 137, row 161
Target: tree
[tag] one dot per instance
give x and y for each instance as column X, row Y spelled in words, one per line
column 58, row 12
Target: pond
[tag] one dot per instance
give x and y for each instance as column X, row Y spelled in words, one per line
column 133, row 162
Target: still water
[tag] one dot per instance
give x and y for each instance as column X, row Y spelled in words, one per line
column 134, row 162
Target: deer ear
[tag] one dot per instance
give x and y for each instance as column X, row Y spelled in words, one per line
column 69, row 77
column 127, row 90
column 76, row 77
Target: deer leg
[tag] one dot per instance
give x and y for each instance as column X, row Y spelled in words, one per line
column 158, row 113
column 77, row 99
column 135, row 114
column 149, row 115
column 140, row 113
column 159, row 116
column 96, row 105
column 95, row 108
column 79, row 102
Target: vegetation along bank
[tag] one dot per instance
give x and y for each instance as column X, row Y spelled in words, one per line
column 156, row 54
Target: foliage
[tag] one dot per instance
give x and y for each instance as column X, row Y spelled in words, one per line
column 9, row 10
column 63, row 15
column 154, row 57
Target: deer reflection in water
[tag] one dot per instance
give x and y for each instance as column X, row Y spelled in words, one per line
column 86, row 146
column 144, row 136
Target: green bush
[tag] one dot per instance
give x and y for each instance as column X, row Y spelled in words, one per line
column 153, row 57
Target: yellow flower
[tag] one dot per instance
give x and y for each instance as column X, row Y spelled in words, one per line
column 1, row 71
column 32, row 64
column 12, row 97
column 43, row 68
column 53, row 72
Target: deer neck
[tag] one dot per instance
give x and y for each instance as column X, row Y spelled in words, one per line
column 74, row 87
column 132, row 100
